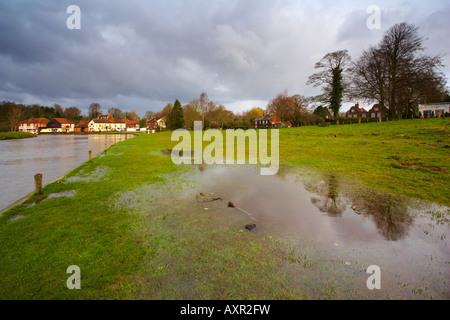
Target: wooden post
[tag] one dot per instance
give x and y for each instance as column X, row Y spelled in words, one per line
column 38, row 184
column 379, row 118
column 105, row 147
column 337, row 122
column 439, row 113
column 359, row 120
column 90, row 155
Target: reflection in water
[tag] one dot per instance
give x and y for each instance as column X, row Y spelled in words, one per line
column 389, row 213
column 51, row 155
column 329, row 200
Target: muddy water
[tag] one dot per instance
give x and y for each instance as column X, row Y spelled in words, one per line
column 51, row 155
column 354, row 228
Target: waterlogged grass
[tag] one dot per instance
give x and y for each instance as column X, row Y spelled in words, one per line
column 135, row 232
column 16, row 135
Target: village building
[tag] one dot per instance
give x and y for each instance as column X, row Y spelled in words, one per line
column 431, row 110
column 356, row 112
column 268, row 121
column 156, row 124
column 101, row 125
column 131, row 125
column 33, row 125
column 59, row 125
column 82, row 126
column 376, row 111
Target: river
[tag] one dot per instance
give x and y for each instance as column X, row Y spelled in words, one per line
column 50, row 155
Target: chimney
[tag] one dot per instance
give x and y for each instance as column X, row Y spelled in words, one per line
column 154, row 117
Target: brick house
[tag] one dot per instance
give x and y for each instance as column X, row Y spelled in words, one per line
column 357, row 112
column 82, row 126
column 376, row 111
column 268, row 121
column 33, row 125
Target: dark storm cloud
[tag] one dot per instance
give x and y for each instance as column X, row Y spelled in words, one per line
column 143, row 54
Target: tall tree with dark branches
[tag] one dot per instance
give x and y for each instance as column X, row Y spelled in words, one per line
column 333, row 67
column 396, row 74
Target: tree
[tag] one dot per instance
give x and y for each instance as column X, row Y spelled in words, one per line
column 176, row 120
column 332, row 68
column 203, row 106
column 116, row 113
column 72, row 113
column 396, row 74
column 191, row 113
column 59, row 111
column 94, row 110
column 14, row 115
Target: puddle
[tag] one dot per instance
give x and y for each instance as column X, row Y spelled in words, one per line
column 20, row 216
column 99, row 173
column 357, row 228
column 70, row 193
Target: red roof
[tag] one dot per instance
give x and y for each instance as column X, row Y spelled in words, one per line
column 36, row 120
column 63, row 121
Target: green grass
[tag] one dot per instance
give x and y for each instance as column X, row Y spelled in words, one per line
column 165, row 248
column 16, row 135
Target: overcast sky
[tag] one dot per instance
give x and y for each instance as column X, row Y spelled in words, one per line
column 141, row 55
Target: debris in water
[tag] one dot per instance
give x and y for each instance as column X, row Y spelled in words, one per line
column 230, row 204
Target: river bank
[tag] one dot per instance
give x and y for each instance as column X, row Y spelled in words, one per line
column 16, row 135
column 140, row 227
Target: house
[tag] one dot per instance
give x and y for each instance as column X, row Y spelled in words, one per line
column 156, row 123
column 376, row 111
column 82, row 126
column 356, row 112
column 59, row 125
column 432, row 109
column 33, row 125
column 131, row 125
column 268, row 121
column 99, row 125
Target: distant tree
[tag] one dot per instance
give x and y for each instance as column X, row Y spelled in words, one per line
column 94, row 110
column 396, row 73
column 59, row 111
column 332, row 68
column 72, row 113
column 132, row 115
column 116, row 113
column 191, row 113
column 204, row 100
column 149, row 114
column 322, row 112
column 14, row 115
column 176, row 120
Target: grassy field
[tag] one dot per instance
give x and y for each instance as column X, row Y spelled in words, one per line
column 134, row 237
column 16, row 135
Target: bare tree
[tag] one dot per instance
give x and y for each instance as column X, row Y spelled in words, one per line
column 72, row 113
column 395, row 74
column 94, row 110
column 14, row 115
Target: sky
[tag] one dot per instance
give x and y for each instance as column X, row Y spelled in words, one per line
column 142, row 55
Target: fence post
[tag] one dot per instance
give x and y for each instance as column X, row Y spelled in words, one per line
column 38, row 184
column 90, row 155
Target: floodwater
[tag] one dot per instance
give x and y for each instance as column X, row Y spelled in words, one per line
column 352, row 229
column 50, row 155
